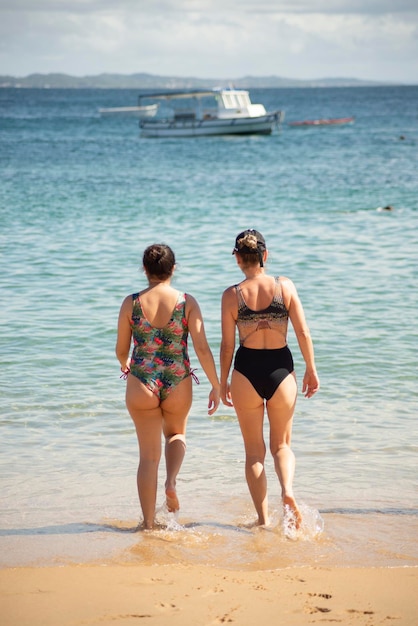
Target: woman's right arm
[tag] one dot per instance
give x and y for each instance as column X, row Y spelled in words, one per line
column 229, row 309
column 123, row 341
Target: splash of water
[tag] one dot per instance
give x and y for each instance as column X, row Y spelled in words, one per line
column 311, row 527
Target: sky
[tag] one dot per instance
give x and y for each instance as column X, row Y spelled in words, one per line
column 303, row 39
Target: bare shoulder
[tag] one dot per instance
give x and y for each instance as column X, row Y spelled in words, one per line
column 229, row 294
column 289, row 292
column 192, row 304
column 190, row 300
column 126, row 307
column 127, row 302
column 287, row 285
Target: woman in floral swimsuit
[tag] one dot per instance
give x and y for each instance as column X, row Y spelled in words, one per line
column 159, row 379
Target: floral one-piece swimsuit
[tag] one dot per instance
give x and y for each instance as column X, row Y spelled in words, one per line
column 160, row 357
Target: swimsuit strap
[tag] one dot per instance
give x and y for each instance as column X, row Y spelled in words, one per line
column 241, row 301
column 278, row 292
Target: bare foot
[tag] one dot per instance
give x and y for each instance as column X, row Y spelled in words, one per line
column 149, row 527
column 171, row 500
column 289, row 505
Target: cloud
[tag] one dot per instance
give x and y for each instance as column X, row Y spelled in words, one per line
column 159, row 7
column 375, row 39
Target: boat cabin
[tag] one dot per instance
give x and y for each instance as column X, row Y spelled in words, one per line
column 237, row 103
column 209, row 104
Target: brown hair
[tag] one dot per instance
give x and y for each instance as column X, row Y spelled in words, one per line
column 250, row 245
column 159, row 261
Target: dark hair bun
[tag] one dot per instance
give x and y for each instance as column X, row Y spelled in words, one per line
column 159, row 261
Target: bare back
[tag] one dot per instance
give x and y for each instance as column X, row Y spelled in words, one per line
column 158, row 304
column 262, row 317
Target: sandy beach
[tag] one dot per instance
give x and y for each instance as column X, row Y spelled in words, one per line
column 184, row 595
column 80, row 199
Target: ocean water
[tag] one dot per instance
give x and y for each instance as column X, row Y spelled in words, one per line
column 80, row 198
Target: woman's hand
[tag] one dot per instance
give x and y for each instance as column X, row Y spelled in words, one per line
column 214, row 400
column 125, row 371
column 226, row 394
column 310, row 383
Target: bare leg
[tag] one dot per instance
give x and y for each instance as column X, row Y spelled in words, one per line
column 175, row 412
column 175, row 449
column 145, row 412
column 284, row 463
column 257, row 485
column 147, row 477
column 250, row 411
column 280, row 409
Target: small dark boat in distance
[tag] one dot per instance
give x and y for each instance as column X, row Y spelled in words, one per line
column 329, row 122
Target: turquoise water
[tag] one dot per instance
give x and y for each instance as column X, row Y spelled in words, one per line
column 80, row 198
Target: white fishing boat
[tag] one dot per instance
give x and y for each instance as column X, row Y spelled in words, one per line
column 139, row 111
column 209, row 112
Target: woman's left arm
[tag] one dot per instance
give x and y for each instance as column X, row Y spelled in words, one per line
column 310, row 383
column 203, row 351
column 123, row 341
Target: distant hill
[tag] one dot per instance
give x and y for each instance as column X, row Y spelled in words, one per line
column 150, row 81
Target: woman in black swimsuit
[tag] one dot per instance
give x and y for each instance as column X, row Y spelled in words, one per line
column 263, row 376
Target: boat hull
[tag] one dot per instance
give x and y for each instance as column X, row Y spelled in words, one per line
column 209, row 127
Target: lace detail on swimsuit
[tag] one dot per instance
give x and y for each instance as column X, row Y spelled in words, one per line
column 273, row 317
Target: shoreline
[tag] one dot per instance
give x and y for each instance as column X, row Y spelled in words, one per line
column 190, row 595
column 333, row 540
